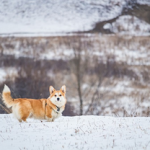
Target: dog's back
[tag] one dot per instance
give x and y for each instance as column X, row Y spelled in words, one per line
column 22, row 107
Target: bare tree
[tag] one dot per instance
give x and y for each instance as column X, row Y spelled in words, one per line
column 80, row 67
column 77, row 71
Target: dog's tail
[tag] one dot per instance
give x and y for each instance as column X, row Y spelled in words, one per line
column 6, row 97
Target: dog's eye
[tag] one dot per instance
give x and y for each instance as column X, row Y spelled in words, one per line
column 60, row 95
column 55, row 95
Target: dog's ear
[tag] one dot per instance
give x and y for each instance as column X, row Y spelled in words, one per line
column 51, row 89
column 63, row 89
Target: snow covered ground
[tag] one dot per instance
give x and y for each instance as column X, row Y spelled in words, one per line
column 49, row 17
column 129, row 25
column 75, row 133
column 144, row 2
column 55, row 16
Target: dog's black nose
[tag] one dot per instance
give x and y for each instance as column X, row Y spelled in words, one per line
column 58, row 98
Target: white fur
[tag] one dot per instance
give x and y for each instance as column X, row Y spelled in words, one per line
column 49, row 119
column 6, row 89
column 51, row 89
column 63, row 88
column 15, row 110
column 59, row 103
column 56, row 115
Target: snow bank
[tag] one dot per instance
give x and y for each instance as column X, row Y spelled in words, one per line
column 8, row 72
column 20, row 16
column 129, row 25
column 144, row 2
column 80, row 132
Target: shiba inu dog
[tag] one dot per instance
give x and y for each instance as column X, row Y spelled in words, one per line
column 49, row 109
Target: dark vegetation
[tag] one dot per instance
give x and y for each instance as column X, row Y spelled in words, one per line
column 35, row 75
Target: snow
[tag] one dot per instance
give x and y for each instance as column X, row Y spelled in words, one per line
column 20, row 16
column 2, row 74
column 79, row 132
column 129, row 25
column 30, row 18
column 144, row 2
column 8, row 72
column 33, row 18
column 133, row 51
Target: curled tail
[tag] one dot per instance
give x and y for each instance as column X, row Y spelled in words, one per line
column 6, row 97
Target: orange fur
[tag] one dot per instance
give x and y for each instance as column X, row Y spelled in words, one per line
column 49, row 108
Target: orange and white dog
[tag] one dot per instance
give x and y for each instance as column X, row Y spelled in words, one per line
column 49, row 109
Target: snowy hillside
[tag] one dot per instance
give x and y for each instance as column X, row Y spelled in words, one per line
column 84, row 132
column 129, row 25
column 54, row 16
column 20, row 16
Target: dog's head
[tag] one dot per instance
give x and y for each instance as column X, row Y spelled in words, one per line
column 58, row 97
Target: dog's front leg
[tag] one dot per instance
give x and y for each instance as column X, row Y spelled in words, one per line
column 48, row 114
column 59, row 115
column 49, row 119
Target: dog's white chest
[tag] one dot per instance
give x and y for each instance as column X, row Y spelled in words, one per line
column 55, row 114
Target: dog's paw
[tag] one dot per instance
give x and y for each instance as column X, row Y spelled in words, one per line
column 49, row 119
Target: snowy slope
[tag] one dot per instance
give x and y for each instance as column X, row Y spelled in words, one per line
column 55, row 16
column 129, row 25
column 84, row 132
column 49, row 17
column 144, row 2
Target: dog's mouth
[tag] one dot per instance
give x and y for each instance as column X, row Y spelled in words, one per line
column 58, row 101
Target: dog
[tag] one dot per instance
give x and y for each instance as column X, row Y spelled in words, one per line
column 49, row 109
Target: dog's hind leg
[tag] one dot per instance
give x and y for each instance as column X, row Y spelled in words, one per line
column 15, row 110
column 25, row 115
column 24, row 112
column 19, row 120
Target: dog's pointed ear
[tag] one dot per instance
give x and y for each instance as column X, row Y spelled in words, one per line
column 63, row 89
column 51, row 89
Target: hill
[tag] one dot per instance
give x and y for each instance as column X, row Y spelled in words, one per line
column 49, row 17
